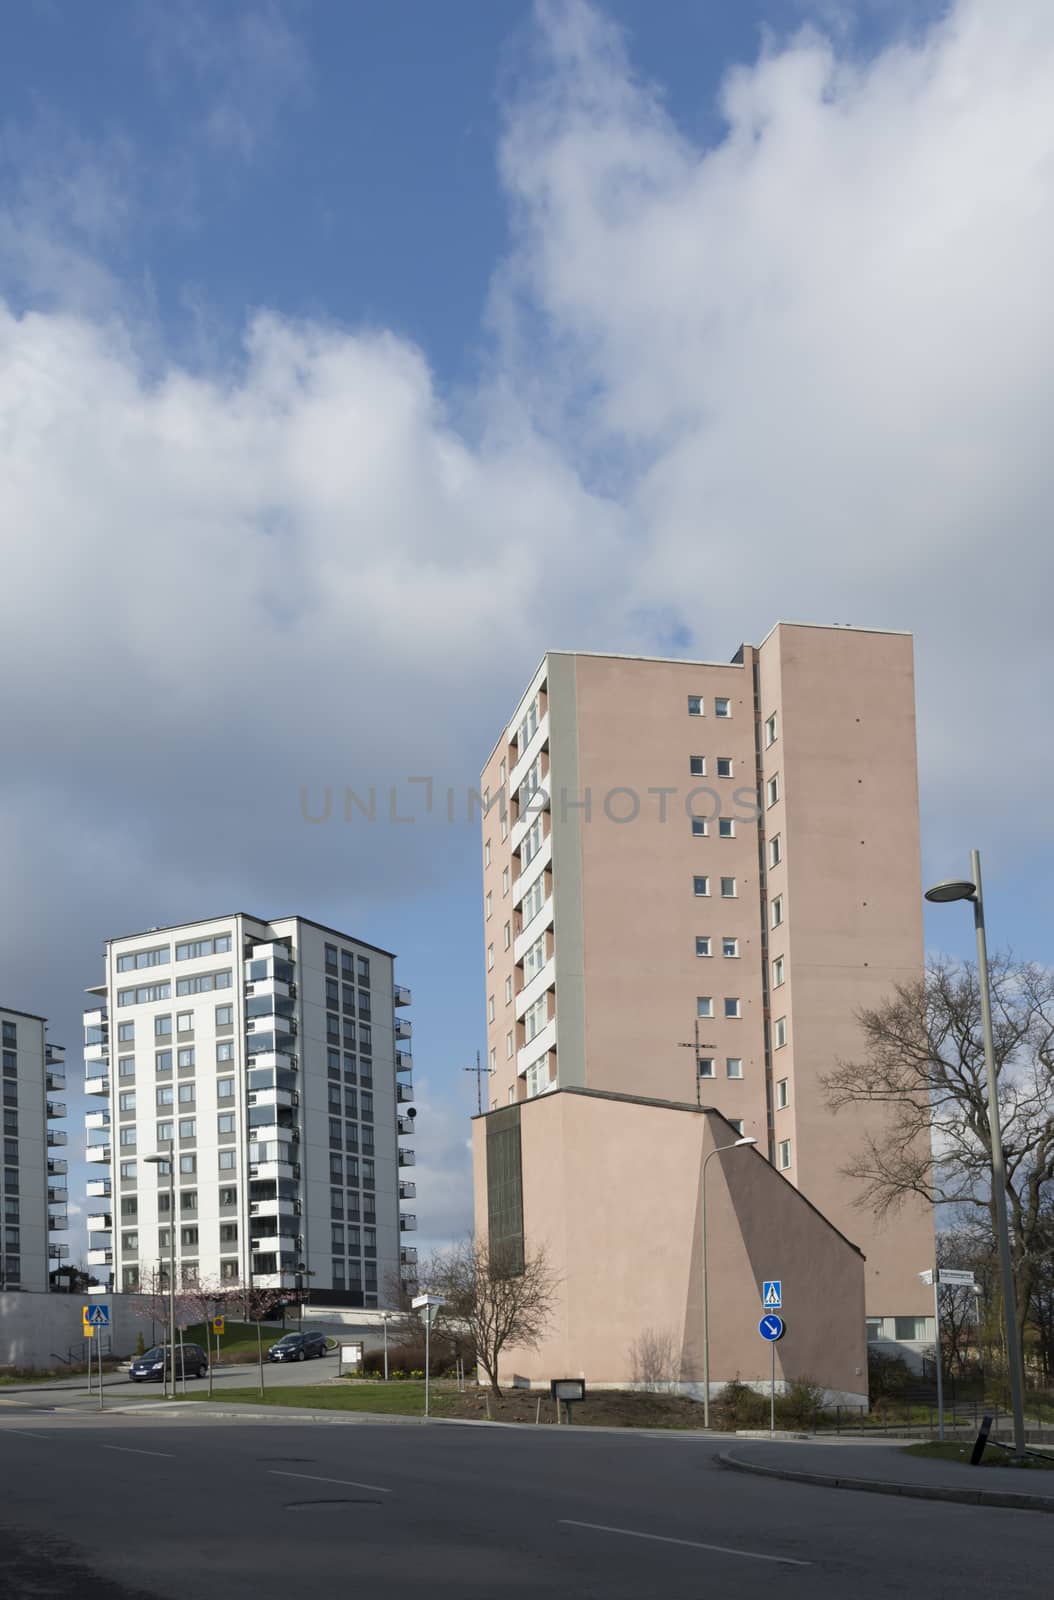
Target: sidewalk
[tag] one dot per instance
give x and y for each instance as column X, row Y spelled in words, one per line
column 888, row 1469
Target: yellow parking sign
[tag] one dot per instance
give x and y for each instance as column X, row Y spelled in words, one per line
column 218, row 1325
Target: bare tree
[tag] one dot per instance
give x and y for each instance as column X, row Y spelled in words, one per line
column 651, row 1356
column 924, row 1062
column 499, row 1297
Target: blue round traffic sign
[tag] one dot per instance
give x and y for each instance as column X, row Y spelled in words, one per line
column 771, row 1328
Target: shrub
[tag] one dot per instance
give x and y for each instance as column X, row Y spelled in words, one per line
column 140, row 1344
column 801, row 1403
column 739, row 1406
column 888, row 1377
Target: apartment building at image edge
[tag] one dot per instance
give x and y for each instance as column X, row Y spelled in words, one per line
column 731, row 847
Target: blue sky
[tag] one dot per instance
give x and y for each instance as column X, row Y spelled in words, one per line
column 321, row 325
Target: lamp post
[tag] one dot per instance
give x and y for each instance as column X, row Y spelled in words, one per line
column 739, row 1144
column 170, row 1364
column 385, row 1319
column 302, row 1271
column 942, row 893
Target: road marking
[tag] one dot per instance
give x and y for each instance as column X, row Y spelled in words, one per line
column 349, row 1483
column 127, row 1450
column 24, row 1433
column 692, row 1544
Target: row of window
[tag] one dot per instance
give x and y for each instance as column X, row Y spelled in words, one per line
column 352, row 1207
column 201, row 983
column 361, row 1072
column 701, row 887
column 350, row 964
column 697, row 706
column 708, row 1067
column 343, row 995
column 697, row 766
column 224, row 1016
column 188, row 1237
column 226, row 1161
column 704, row 946
column 726, row 827
column 704, row 1006
column 344, row 1030
column 160, row 955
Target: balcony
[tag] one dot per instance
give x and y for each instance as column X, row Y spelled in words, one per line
column 407, row 1158
column 100, row 1222
column 407, row 1190
column 402, row 995
column 56, row 1108
column 274, row 1280
column 281, row 1206
column 58, row 1252
column 531, row 806
column 58, row 1222
column 408, row 1256
column 96, row 1119
column 535, row 868
column 98, row 1189
column 97, row 1085
column 100, row 1258
column 544, row 1039
column 407, row 1222
column 57, row 1194
column 99, row 1052
column 404, row 1061
column 405, row 1125
column 97, row 1152
column 539, row 983
column 403, row 1028
column 56, row 1079
column 275, row 1094
column 57, row 1137
column 95, row 1017
column 58, row 1166
column 404, row 1093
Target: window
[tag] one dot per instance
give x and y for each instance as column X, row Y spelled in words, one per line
column 512, row 1093
column 728, row 888
column 196, row 948
column 162, row 1027
column 777, row 911
column 772, row 789
column 165, row 1094
column 184, row 1022
column 486, row 854
column 490, row 958
column 706, row 1067
column 163, row 1061
column 778, row 972
column 874, row 1329
column 126, row 1066
column 227, row 1160
column 224, row 1016
column 186, row 1057
column 188, row 1235
column 695, row 705
column 775, row 850
column 697, row 766
column 704, row 1006
column 130, row 1206
column 770, row 730
column 188, row 1128
column 732, row 1006
column 225, row 1050
column 128, row 1138
column 488, row 906
column 699, row 828
column 164, row 1133
column 203, row 983
column 910, row 1327
column 144, row 994
column 126, row 1032
column 536, row 1017
column 493, row 1061
column 736, row 1124
column 225, row 1123
column 733, row 1067
column 508, row 934
column 730, row 947
column 724, row 766
column 228, row 1197
column 504, row 881
column 137, row 959
column 782, row 1094
column 531, row 843
column 722, row 708
column 533, row 901
column 228, row 1233
column 537, row 1076
column 186, row 1094
column 510, row 1047
column 783, row 1157
column 726, row 828
column 700, row 886
column 127, row 1100
column 490, row 1008
column 224, row 1088
column 779, row 1033
column 128, row 1171
column 702, row 944
column 188, row 1164
column 508, row 991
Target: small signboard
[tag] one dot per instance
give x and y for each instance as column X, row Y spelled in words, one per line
column 772, row 1294
column 569, row 1390
column 219, row 1325
column 96, row 1316
column 351, row 1357
column 956, row 1277
column 771, row 1328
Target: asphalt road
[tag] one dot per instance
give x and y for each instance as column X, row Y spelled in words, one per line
column 72, row 1393
column 194, row 1506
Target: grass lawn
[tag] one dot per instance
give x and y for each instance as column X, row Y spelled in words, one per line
column 993, row 1457
column 391, row 1399
column 238, row 1343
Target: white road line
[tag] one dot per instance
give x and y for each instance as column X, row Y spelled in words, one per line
column 349, row 1483
column 127, row 1450
column 23, row 1433
column 692, row 1544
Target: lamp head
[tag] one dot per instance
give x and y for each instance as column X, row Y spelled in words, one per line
column 748, row 1140
column 951, row 889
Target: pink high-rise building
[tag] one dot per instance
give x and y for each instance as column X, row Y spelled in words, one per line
column 729, row 847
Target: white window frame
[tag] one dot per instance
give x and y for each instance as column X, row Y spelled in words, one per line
column 729, row 894
column 771, row 729
column 725, row 761
column 692, row 771
column 732, row 954
column 703, row 939
column 700, row 827
column 490, row 958
column 725, row 701
column 696, row 705
column 726, row 827
column 490, row 1008
column 510, row 1046
column 486, row 853
column 773, row 790
column 488, row 906
column 734, row 1067
column 784, row 1155
column 704, row 1006
column 535, row 1018
column 504, row 882
column 733, row 1000
column 775, row 850
column 777, row 912
column 782, row 1093
column 702, row 878
column 707, row 1067
column 779, row 1033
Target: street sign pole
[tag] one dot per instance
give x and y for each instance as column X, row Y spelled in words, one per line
column 937, row 1353
column 772, row 1394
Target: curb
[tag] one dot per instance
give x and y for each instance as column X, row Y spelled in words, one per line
column 911, row 1491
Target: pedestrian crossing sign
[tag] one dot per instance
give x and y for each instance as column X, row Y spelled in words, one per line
column 772, row 1294
column 96, row 1316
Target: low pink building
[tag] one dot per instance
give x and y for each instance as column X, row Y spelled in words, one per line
column 610, row 1185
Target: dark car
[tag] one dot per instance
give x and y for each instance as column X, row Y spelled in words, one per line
column 298, row 1347
column 190, row 1359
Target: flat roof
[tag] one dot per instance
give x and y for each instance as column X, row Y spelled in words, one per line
column 31, row 1016
column 264, row 922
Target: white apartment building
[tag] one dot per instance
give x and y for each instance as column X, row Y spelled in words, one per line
column 34, row 1170
column 271, row 1059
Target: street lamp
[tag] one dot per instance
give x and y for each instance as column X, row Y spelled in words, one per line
column 941, row 894
column 159, row 1162
column 739, row 1144
column 302, row 1272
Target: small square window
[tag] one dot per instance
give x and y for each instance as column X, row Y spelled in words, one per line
column 726, row 828
column 733, row 1067
column 697, row 766
column 772, row 789
column 730, row 947
column 695, row 705
column 777, row 911
column 704, row 1006
column 732, row 1006
column 226, row 1160
column 728, row 888
column 770, row 730
column 779, row 1033
column 162, row 1027
column 724, row 766
column 778, row 972
column 784, row 1154
column 700, row 886
column 782, row 1094
column 706, row 1067
column 699, row 827
column 722, row 708
column 225, row 1050
column 126, row 1032
column 184, row 1022
column 224, row 1016
column 702, row 944
column 185, row 1057
column 775, row 850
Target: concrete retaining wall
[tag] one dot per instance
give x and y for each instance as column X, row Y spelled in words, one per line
column 43, row 1330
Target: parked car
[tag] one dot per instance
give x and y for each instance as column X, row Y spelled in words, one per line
column 298, row 1347
column 190, row 1358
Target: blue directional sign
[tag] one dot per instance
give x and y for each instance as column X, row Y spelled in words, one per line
column 772, row 1294
column 97, row 1316
column 771, row 1328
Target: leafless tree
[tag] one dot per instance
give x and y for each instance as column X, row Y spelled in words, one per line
column 923, row 1060
column 499, row 1297
column 652, row 1360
